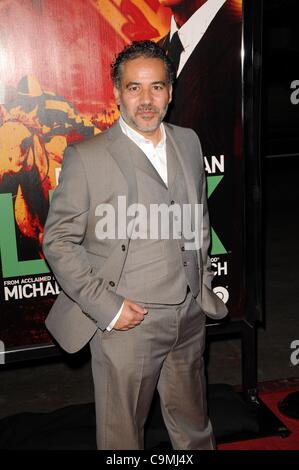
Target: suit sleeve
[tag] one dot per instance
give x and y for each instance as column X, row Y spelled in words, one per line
column 208, row 274
column 62, row 245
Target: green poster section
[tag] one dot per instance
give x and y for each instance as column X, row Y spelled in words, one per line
column 217, row 247
column 11, row 266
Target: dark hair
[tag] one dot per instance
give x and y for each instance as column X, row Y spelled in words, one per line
column 148, row 49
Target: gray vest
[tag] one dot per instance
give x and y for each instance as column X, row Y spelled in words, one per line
column 159, row 270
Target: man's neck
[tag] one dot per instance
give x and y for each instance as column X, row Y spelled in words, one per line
column 182, row 13
column 154, row 136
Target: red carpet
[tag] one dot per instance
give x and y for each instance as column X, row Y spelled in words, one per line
column 271, row 395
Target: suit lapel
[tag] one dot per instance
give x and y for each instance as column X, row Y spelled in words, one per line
column 120, row 151
column 181, row 150
column 172, row 163
column 185, row 162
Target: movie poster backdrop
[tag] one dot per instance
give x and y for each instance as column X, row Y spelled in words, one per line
column 55, row 89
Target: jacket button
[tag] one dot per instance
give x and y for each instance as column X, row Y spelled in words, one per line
column 123, row 247
column 185, row 263
column 172, row 202
column 112, row 284
column 183, row 248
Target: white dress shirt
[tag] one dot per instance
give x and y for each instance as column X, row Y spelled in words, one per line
column 155, row 154
column 157, row 157
column 193, row 30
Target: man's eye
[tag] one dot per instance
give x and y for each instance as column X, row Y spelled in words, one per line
column 133, row 88
column 158, row 87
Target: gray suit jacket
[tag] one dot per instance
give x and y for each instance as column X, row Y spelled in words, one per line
column 88, row 270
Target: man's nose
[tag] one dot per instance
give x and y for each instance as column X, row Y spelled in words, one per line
column 146, row 96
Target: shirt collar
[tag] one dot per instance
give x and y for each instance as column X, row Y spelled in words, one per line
column 138, row 138
column 197, row 24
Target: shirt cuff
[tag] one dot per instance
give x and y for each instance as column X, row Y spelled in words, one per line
column 112, row 323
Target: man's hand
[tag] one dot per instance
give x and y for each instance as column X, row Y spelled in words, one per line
column 131, row 315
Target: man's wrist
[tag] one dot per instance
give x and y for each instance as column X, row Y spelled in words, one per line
column 112, row 323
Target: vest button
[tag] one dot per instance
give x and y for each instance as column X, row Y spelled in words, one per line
column 112, row 284
column 123, row 247
column 172, row 202
column 183, row 248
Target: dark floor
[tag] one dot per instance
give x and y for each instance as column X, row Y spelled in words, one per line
column 50, row 385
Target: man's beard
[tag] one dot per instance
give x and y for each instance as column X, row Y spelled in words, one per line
column 144, row 108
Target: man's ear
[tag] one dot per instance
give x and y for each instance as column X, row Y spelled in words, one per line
column 170, row 93
column 116, row 95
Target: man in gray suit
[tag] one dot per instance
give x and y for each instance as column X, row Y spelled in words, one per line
column 138, row 296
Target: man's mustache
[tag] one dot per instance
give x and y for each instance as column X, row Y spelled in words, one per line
column 147, row 108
